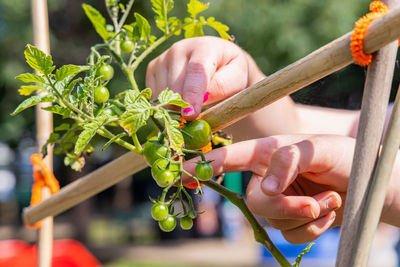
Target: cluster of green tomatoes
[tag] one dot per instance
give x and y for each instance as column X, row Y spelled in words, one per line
column 167, row 170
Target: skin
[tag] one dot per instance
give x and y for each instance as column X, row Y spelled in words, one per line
column 311, row 172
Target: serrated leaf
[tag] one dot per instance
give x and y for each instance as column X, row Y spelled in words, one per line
column 70, row 87
column 69, row 70
column 51, row 140
column 162, row 8
column 221, row 28
column 62, row 127
column 195, row 7
column 143, row 27
column 112, row 140
column 28, row 89
column 135, row 116
column 30, row 78
column 65, row 112
column 32, row 101
column 147, row 93
column 300, row 256
column 175, row 137
column 194, row 29
column 130, row 97
column 98, row 21
column 38, row 60
column 89, row 131
column 168, row 97
column 174, row 24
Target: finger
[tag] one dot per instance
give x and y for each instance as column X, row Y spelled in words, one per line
column 252, row 155
column 161, row 75
column 310, row 157
column 328, row 201
column 150, row 79
column 224, row 84
column 177, row 63
column 200, row 68
column 280, row 206
column 310, row 231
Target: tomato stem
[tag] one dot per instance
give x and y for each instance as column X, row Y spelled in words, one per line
column 260, row 234
column 197, row 152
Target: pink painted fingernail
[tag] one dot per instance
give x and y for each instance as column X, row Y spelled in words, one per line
column 205, row 98
column 188, row 111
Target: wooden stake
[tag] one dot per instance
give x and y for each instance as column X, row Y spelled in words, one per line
column 318, row 64
column 44, row 126
column 355, row 242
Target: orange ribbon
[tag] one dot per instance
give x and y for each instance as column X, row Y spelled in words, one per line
column 377, row 9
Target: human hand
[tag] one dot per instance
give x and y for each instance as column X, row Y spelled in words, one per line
column 208, row 68
column 299, row 182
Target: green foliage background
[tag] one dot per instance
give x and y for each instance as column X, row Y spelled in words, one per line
column 274, row 32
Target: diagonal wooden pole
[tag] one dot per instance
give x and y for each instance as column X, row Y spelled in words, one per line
column 355, row 242
column 303, row 72
column 44, row 126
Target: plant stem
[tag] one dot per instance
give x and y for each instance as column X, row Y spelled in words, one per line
column 126, row 13
column 260, row 234
column 148, row 51
column 137, row 143
column 197, row 152
column 105, row 133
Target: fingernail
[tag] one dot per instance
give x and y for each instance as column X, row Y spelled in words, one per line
column 205, row 98
column 270, row 184
column 333, row 202
column 188, row 111
column 308, row 211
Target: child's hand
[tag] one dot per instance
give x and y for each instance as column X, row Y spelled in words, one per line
column 200, row 68
column 299, row 182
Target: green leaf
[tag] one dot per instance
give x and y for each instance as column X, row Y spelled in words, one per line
column 195, row 7
column 194, row 29
column 62, row 127
column 70, row 87
column 28, row 89
column 168, row 97
column 135, row 116
column 174, row 24
column 305, row 251
column 146, row 93
column 89, row 131
column 98, row 21
column 175, row 136
column 69, row 70
column 112, row 140
column 142, row 27
column 221, row 28
column 162, row 8
column 30, row 78
column 38, row 60
column 52, row 140
column 32, row 101
column 65, row 112
column 130, row 97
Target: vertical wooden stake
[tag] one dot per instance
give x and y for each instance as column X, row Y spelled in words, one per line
column 44, row 126
column 373, row 111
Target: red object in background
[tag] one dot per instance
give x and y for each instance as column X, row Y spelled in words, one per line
column 66, row 253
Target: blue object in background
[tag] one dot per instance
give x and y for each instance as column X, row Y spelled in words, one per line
column 322, row 254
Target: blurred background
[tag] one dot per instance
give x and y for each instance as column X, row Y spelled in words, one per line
column 116, row 225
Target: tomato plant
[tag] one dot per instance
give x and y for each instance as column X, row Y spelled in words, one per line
column 168, row 224
column 101, row 94
column 186, row 223
column 127, row 46
column 106, row 72
column 159, row 211
column 154, row 150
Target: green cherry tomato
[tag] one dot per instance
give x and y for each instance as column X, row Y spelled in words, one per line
column 154, row 150
column 164, row 172
column 106, row 71
column 196, row 134
column 186, row 223
column 101, row 94
column 164, row 178
column 204, row 171
column 168, row 224
column 159, row 211
column 127, row 46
